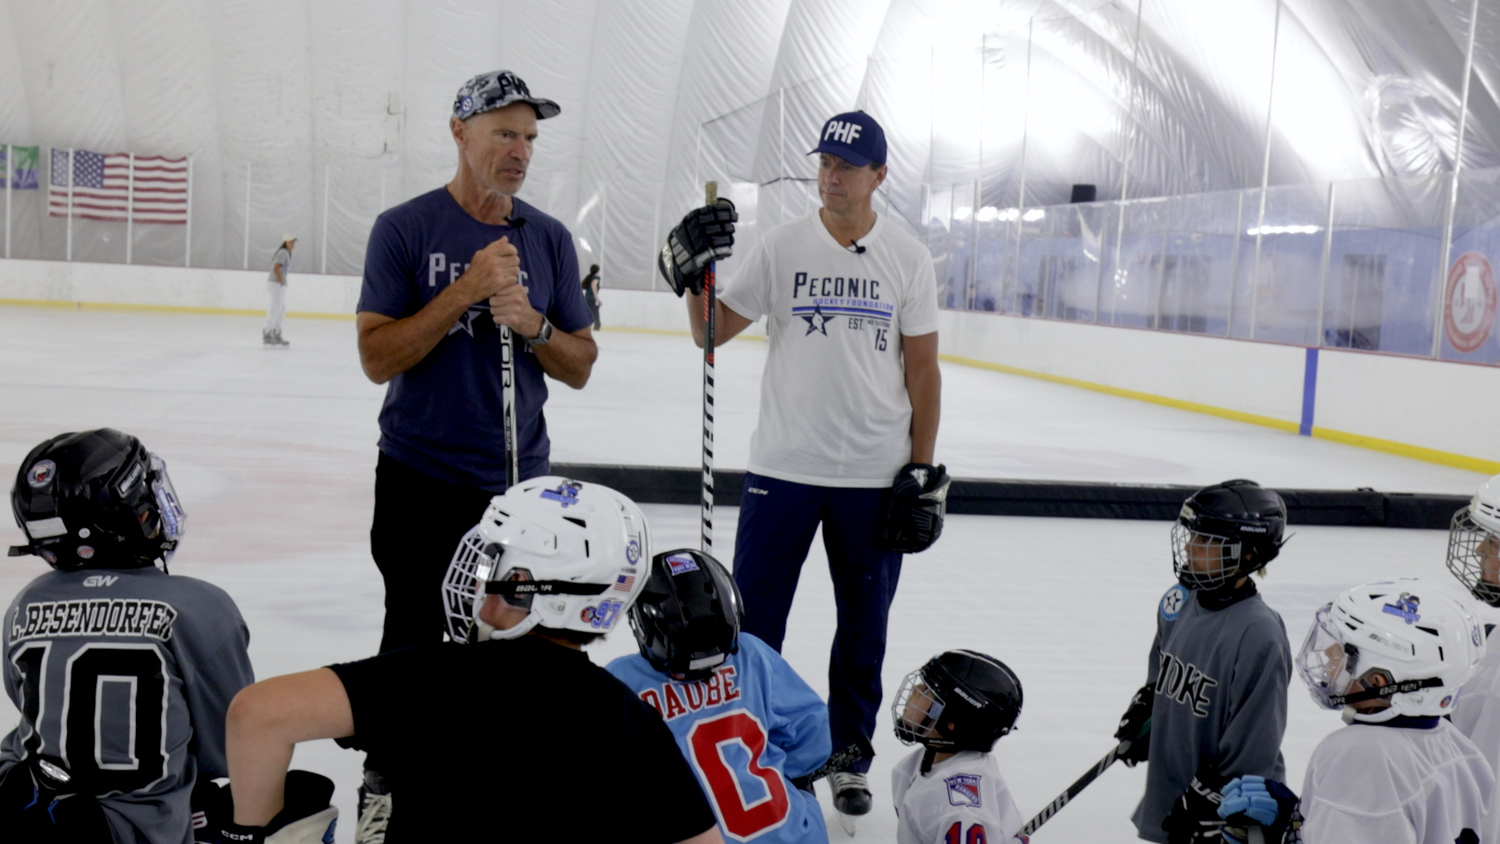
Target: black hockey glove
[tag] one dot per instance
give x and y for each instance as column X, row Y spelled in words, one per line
column 1194, row 818
column 912, row 510
column 705, row 235
column 1135, row 727
column 306, row 816
column 1257, row 801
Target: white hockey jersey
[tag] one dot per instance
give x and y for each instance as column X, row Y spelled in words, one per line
column 962, row 800
column 1478, row 717
column 1395, row 785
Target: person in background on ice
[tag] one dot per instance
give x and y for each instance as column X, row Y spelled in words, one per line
column 717, row 687
column 281, row 264
column 951, row 792
column 591, row 293
column 1394, row 655
column 1474, row 558
column 1214, row 704
column 850, row 400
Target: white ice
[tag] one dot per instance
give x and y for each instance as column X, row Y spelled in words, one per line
column 273, row 453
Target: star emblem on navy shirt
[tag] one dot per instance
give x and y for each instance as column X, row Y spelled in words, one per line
column 817, row 321
column 466, row 321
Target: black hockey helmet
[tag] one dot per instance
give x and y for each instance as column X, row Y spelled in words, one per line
column 96, row 499
column 1226, row 531
column 959, row 700
column 687, row 618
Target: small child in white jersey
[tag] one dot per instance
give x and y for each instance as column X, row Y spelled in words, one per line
column 1394, row 655
column 1474, row 558
column 951, row 792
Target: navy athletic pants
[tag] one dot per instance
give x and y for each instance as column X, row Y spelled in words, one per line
column 777, row 522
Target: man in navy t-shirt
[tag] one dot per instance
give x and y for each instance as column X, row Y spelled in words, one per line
column 442, row 272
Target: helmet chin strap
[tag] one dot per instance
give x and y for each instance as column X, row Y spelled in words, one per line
column 486, row 632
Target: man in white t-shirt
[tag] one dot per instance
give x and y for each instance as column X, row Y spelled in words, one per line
column 849, row 401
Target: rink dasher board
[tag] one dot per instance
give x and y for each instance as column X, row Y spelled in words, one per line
column 1056, row 499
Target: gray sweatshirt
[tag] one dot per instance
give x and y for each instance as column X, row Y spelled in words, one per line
column 1221, row 678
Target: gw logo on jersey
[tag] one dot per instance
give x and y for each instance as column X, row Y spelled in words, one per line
column 96, row 617
column 1184, row 683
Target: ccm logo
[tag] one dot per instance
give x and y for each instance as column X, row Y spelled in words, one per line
column 758, row 491
column 100, row 580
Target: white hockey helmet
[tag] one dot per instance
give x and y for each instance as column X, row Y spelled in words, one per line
column 1474, row 544
column 574, row 554
column 1423, row 636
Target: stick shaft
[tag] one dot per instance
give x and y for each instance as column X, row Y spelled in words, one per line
column 1079, row 785
column 711, row 192
column 508, row 402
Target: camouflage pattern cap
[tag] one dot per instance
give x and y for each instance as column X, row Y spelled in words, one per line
column 497, row 89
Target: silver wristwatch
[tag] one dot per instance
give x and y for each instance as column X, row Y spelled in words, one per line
column 542, row 336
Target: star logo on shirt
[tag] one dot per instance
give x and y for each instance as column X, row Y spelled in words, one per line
column 466, row 322
column 817, row 321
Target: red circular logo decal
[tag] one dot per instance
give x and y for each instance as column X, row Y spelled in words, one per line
column 1469, row 302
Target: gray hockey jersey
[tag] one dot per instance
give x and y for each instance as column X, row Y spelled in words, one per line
column 1221, row 678
column 125, row 676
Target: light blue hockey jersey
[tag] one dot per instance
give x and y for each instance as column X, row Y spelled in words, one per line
column 746, row 731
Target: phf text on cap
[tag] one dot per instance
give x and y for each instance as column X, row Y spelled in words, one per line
column 855, row 137
column 497, row 89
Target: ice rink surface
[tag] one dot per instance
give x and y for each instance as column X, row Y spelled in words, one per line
column 273, row 453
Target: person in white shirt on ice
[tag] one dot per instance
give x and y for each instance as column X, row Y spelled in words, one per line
column 1474, row 558
column 1394, row 656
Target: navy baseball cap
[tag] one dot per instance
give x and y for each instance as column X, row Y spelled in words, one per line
column 853, row 136
column 497, row 89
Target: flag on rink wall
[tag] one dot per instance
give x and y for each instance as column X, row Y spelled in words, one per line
column 23, row 159
column 107, row 186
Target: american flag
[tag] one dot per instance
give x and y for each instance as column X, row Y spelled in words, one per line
column 624, row 582
column 102, row 187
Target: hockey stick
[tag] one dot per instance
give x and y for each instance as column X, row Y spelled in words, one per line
column 837, row 762
column 711, row 196
column 508, row 403
column 1073, row 790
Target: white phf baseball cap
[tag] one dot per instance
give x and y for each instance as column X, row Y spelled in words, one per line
column 497, row 89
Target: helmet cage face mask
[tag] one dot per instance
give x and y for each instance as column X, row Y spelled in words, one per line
column 1474, row 556
column 1326, row 663
column 917, row 711
column 1203, row 560
column 169, row 513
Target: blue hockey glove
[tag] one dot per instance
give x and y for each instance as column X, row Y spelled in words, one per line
column 1266, row 803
